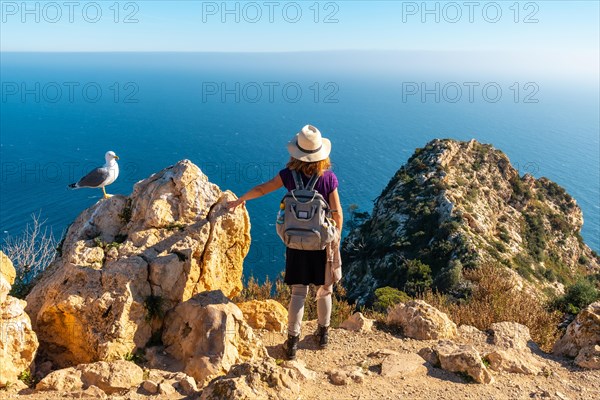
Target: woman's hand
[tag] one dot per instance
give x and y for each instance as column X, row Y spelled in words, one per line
column 257, row 191
column 233, row 204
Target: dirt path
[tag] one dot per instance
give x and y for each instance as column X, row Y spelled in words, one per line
column 560, row 380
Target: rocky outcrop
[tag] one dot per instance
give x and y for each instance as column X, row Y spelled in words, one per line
column 209, row 335
column 458, row 358
column 589, row 357
column 110, row 377
column 7, row 276
column 268, row 314
column 357, row 322
column 18, row 342
column 7, row 270
column 511, row 349
column 126, row 261
column 403, row 365
column 249, row 381
column 346, row 375
column 457, row 205
column 419, row 320
column 582, row 338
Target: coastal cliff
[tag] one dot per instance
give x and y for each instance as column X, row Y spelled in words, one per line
column 457, row 205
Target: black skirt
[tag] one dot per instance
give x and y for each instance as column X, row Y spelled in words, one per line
column 305, row 266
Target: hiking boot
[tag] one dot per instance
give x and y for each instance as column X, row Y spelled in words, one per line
column 322, row 336
column 290, row 346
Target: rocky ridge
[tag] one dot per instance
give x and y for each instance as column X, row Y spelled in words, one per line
column 457, row 205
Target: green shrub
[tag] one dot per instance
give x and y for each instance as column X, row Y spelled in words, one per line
column 418, row 277
column 550, row 275
column 577, row 296
column 387, row 296
column 503, row 235
column 583, row 260
column 535, row 235
column 500, row 247
column 450, row 277
column 125, row 214
column 136, row 357
column 27, row 378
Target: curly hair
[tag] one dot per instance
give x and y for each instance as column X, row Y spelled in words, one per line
column 309, row 168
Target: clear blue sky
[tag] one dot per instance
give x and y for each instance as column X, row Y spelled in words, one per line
column 563, row 26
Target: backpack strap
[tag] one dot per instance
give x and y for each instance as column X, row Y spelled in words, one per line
column 312, row 182
column 297, row 180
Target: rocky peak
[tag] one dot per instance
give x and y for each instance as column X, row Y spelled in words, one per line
column 456, row 205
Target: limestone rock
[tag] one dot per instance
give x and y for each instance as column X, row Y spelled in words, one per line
column 463, row 358
column 127, row 260
column 402, row 365
column 421, row 321
column 162, row 382
column 4, row 289
column 510, row 335
column 15, row 388
column 513, row 353
column 7, row 270
column 358, row 323
column 110, row 377
column 62, row 380
column 18, row 341
column 299, row 366
column 472, row 334
column 166, row 389
column 187, row 385
column 429, row 355
column 265, row 314
column 92, row 392
column 521, row 362
column 582, row 334
column 150, row 386
column 248, row 381
column 209, row 335
column 589, row 357
column 346, row 375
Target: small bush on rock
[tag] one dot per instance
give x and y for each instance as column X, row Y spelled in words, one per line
column 387, row 296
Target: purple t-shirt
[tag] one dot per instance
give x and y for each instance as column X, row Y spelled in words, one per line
column 326, row 183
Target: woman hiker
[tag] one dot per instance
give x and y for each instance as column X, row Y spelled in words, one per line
column 310, row 156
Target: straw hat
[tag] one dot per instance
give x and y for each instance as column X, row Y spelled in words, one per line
column 308, row 145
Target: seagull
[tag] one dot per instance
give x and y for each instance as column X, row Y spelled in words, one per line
column 101, row 176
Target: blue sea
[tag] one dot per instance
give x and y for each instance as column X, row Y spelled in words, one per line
column 232, row 115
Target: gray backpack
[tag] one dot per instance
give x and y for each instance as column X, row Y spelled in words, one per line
column 305, row 220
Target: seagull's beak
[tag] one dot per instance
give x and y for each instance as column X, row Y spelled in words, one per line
column 116, row 157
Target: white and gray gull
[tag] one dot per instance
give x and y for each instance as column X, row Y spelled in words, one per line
column 101, row 176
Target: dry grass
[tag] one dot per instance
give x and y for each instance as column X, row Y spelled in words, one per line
column 495, row 299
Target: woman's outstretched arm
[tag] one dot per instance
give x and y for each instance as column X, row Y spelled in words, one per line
column 258, row 191
column 336, row 207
